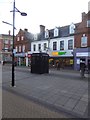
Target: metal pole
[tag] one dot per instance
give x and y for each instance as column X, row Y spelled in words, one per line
column 13, row 76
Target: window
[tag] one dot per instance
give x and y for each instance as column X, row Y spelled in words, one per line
column 17, row 38
column 16, row 49
column 46, row 33
column 70, row 44
column 72, row 28
column 6, row 41
column 11, row 42
column 84, row 41
column 19, row 48
column 45, row 46
column 55, row 32
column 34, row 47
column 35, row 36
column 54, row 45
column 39, row 47
column 22, row 38
column 23, row 48
column 61, row 45
column 88, row 23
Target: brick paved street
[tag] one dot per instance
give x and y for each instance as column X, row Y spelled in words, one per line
column 60, row 90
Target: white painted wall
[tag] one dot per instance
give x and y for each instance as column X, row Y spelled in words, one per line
column 51, row 44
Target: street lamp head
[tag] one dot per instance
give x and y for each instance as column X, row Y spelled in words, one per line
column 23, row 14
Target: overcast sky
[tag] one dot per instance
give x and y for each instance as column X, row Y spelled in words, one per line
column 50, row 13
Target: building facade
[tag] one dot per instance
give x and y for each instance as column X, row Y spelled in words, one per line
column 82, row 42
column 22, row 46
column 57, row 42
column 6, row 41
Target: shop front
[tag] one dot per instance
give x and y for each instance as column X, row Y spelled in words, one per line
column 20, row 59
column 81, row 54
column 65, row 58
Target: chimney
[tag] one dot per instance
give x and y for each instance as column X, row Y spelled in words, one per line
column 42, row 28
column 83, row 15
column 26, row 30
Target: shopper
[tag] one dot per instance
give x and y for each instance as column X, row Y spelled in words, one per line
column 82, row 69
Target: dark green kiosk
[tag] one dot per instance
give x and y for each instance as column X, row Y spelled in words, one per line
column 39, row 63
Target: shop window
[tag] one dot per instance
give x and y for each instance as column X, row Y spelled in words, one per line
column 61, row 45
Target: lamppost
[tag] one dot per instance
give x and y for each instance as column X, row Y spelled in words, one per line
column 13, row 48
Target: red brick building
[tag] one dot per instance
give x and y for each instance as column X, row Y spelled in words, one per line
column 23, row 45
column 82, row 41
column 6, row 41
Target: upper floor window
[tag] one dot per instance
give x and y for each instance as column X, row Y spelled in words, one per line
column 47, row 34
column 34, row 47
column 55, row 32
column 84, row 41
column 88, row 23
column 11, row 42
column 22, row 37
column 72, row 28
column 23, row 48
column 54, row 45
column 16, row 49
column 45, row 46
column 61, row 45
column 6, row 42
column 19, row 48
column 39, row 47
column 70, row 44
column 18, row 38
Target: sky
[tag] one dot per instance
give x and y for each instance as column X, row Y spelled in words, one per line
column 50, row 13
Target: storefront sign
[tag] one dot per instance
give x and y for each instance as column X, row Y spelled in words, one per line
column 20, row 55
column 80, row 54
column 64, row 53
column 71, row 62
column 61, row 53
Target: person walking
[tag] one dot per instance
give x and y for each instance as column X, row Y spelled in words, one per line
column 82, row 69
column 58, row 65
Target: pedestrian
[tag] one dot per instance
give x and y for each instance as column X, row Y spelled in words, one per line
column 82, row 69
column 58, row 65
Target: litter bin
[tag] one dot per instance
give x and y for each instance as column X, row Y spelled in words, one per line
column 39, row 63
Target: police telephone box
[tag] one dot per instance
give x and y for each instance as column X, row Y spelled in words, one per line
column 39, row 63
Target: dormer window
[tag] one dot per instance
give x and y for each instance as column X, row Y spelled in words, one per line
column 47, row 34
column 35, row 36
column 56, row 32
column 72, row 28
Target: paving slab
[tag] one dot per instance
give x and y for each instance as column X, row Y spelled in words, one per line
column 56, row 88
